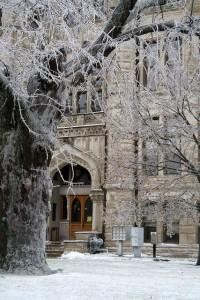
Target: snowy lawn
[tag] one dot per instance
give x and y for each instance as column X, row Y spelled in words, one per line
column 105, row 276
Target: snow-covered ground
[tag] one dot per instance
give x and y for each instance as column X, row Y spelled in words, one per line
column 105, row 276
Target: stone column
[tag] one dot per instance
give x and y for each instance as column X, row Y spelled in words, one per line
column 97, row 197
column 68, row 216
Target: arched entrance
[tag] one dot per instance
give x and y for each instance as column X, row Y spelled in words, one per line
column 87, row 182
column 72, row 186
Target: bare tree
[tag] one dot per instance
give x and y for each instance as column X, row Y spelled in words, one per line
column 42, row 56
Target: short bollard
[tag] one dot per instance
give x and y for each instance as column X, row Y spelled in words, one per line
column 154, row 242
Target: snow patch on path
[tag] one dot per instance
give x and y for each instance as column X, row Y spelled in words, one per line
column 74, row 255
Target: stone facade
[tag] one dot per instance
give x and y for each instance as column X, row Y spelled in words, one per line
column 86, row 139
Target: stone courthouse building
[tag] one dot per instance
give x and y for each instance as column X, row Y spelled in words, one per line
column 89, row 185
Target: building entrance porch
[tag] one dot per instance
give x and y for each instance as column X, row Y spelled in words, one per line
column 76, row 208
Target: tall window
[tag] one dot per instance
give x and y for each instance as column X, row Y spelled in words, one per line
column 173, row 65
column 150, row 67
column 173, row 236
column 150, row 158
column 68, row 108
column 173, row 53
column 172, row 160
column 96, row 100
column 150, row 150
column 96, row 94
column 172, row 164
column 82, row 102
column 148, row 228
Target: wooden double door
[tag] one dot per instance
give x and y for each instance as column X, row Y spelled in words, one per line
column 80, row 214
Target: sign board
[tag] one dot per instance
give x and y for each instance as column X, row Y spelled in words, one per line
column 137, row 236
column 153, row 237
column 119, row 233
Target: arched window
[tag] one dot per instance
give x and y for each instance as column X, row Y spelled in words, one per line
column 72, row 173
column 88, row 211
column 76, row 211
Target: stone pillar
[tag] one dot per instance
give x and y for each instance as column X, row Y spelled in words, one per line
column 97, row 197
column 68, row 216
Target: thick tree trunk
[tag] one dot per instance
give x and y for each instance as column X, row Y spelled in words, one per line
column 24, row 212
column 25, row 188
column 24, row 197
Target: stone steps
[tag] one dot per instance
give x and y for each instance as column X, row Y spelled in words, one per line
column 75, row 245
column 56, row 249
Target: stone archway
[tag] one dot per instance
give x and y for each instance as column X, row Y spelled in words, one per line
column 71, row 155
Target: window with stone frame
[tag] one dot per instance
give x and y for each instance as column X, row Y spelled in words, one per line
column 173, row 52
column 68, row 108
column 172, row 159
column 81, row 103
column 150, row 66
column 149, row 226
column 96, row 101
column 171, row 235
column 96, row 95
column 173, row 63
column 172, row 164
column 150, row 150
column 150, row 158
